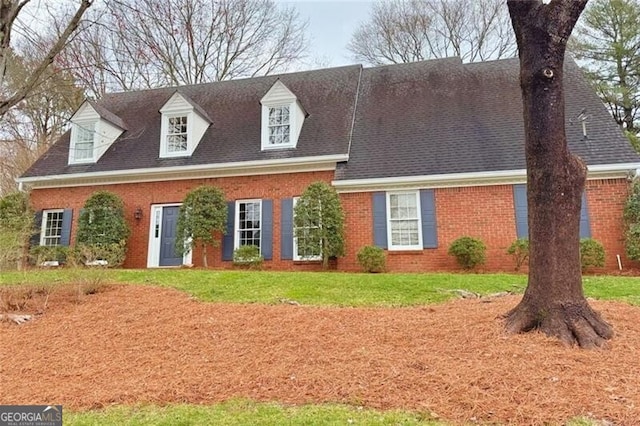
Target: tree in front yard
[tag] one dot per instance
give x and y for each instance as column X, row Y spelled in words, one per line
column 203, row 212
column 554, row 300
column 16, row 226
column 102, row 229
column 319, row 223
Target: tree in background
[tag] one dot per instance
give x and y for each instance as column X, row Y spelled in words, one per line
column 554, row 301
column 607, row 42
column 203, row 213
column 9, row 11
column 16, row 227
column 401, row 31
column 137, row 44
column 38, row 121
column 102, row 229
column 319, row 223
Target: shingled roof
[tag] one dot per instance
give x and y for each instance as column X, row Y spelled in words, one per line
column 234, row 108
column 446, row 117
column 426, row 118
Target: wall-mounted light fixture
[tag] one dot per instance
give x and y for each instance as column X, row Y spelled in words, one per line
column 138, row 213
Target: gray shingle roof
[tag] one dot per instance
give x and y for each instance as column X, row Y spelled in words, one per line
column 425, row 118
column 234, row 108
column 442, row 117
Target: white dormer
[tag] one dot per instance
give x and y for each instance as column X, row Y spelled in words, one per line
column 93, row 130
column 282, row 118
column 183, row 125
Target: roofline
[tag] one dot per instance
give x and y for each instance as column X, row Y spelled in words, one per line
column 455, row 180
column 240, row 168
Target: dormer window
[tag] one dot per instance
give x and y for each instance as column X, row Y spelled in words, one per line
column 83, row 142
column 279, row 125
column 94, row 129
column 282, row 118
column 183, row 125
column 177, row 134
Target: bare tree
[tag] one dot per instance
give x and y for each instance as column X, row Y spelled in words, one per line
column 553, row 301
column 9, row 11
column 414, row 30
column 148, row 43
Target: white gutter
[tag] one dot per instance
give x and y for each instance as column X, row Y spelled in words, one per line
column 454, row 180
column 239, row 168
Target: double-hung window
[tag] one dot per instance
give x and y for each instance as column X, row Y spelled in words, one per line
column 403, row 215
column 51, row 232
column 83, row 141
column 177, row 132
column 248, row 223
column 279, row 126
column 306, row 241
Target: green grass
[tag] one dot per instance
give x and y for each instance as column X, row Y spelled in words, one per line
column 322, row 288
column 243, row 412
column 311, row 288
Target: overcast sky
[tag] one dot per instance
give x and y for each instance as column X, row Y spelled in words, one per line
column 331, row 24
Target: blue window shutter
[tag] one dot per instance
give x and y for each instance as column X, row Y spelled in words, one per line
column 380, row 219
column 227, row 239
column 65, row 232
column 286, row 229
column 520, row 205
column 266, row 242
column 37, row 227
column 585, row 229
column 428, row 212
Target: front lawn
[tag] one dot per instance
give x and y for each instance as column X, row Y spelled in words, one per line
column 322, row 288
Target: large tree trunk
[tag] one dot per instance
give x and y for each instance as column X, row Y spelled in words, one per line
column 553, row 301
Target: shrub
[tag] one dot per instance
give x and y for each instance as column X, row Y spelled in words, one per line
column 248, row 257
column 632, row 219
column 202, row 214
column 372, row 259
column 519, row 249
column 319, row 222
column 102, row 230
column 468, row 251
column 40, row 254
column 16, row 226
column 591, row 253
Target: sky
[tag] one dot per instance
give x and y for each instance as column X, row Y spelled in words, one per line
column 331, row 24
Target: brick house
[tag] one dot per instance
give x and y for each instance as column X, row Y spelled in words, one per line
column 420, row 153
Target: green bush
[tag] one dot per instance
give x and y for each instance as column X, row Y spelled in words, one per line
column 632, row 220
column 40, row 254
column 248, row 257
column 102, row 230
column 468, row 251
column 372, row 259
column 16, row 226
column 591, row 253
column 519, row 250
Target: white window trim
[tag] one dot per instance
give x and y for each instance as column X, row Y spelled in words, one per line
column 74, row 141
column 390, row 244
column 164, row 133
column 265, row 125
column 296, row 256
column 236, row 222
column 43, row 225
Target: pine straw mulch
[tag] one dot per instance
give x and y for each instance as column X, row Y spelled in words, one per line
column 136, row 345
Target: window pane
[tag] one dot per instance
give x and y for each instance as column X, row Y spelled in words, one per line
column 84, row 141
column 52, row 229
column 177, row 134
column 278, row 126
column 249, row 223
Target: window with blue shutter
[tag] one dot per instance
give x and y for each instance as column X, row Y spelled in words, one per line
column 266, row 246
column 228, row 238
column 521, row 212
column 380, row 219
column 286, row 229
column 428, row 216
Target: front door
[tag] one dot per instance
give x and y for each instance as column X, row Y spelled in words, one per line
column 168, row 256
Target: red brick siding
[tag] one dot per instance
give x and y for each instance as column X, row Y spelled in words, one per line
column 484, row 212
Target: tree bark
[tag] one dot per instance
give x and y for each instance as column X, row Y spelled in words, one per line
column 554, row 301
